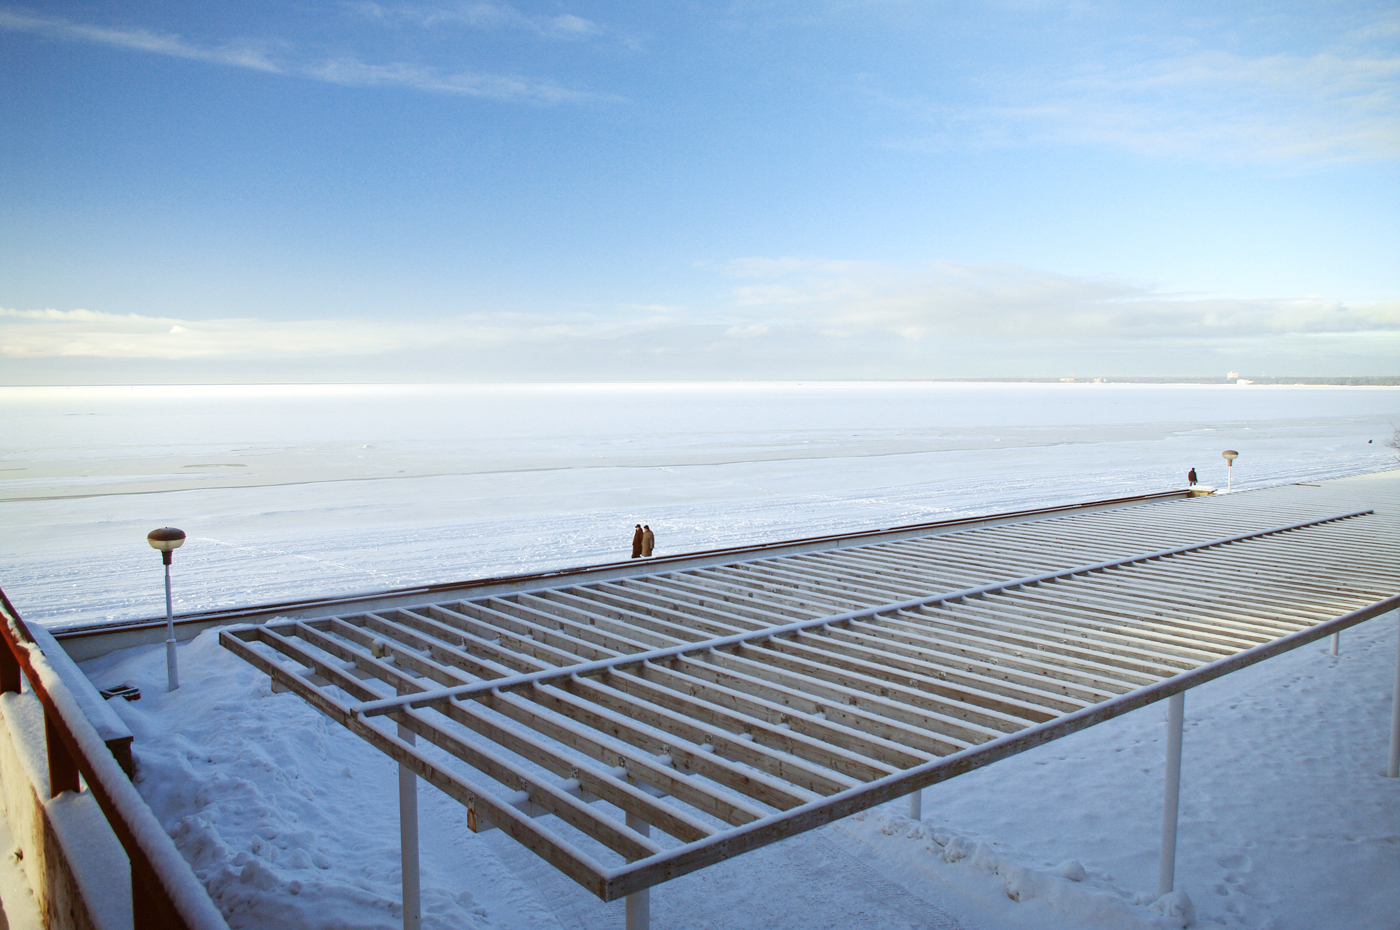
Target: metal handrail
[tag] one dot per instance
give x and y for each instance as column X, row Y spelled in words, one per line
column 165, row 894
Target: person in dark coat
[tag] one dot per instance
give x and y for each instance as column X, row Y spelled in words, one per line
column 637, row 542
column 648, row 542
column 1191, row 477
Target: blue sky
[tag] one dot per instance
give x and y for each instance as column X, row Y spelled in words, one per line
column 486, row 191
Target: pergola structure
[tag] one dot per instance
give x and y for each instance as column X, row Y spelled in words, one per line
column 633, row 730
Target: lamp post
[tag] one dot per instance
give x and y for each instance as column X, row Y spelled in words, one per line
column 1230, row 455
column 167, row 539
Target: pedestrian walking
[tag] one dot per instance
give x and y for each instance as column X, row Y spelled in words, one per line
column 648, row 542
column 1191, row 478
column 637, row 542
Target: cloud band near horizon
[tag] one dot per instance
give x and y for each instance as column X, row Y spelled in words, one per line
column 786, row 309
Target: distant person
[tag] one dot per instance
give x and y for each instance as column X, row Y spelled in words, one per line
column 637, row 539
column 648, row 542
column 1191, row 477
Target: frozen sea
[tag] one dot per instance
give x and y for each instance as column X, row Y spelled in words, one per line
column 293, row 491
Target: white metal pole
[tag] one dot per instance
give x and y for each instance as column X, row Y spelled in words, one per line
column 1336, row 642
column 1229, row 485
column 408, row 840
column 916, row 805
column 172, row 673
column 1171, row 792
column 1393, row 769
column 639, row 902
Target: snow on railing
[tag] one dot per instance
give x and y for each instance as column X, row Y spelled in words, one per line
column 165, row 895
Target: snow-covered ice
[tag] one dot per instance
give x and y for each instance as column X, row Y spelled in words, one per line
column 314, row 490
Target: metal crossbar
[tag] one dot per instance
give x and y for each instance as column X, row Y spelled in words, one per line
column 729, row 706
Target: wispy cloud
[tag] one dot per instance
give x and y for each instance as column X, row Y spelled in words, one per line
column 494, row 16
column 353, row 73
column 57, row 333
column 943, row 300
column 479, row 16
column 141, row 40
column 278, row 58
column 53, row 333
column 1319, row 108
column 1341, row 105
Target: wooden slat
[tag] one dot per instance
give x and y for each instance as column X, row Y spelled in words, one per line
column 732, row 704
column 553, row 849
column 779, row 735
column 594, row 781
column 618, row 837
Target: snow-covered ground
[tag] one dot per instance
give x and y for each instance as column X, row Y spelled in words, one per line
column 299, row 491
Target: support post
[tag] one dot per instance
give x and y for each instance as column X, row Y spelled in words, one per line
column 639, row 902
column 172, row 673
column 1336, row 642
column 1392, row 770
column 1171, row 792
column 916, row 804
column 9, row 669
column 63, row 768
column 408, row 840
column 151, row 906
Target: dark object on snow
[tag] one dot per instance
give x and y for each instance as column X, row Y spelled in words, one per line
column 637, row 542
column 1191, row 477
column 648, row 542
column 130, row 692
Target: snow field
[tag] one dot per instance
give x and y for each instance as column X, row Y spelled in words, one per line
column 1286, row 818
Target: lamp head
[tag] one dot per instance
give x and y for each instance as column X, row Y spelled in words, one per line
column 1230, row 455
column 167, row 539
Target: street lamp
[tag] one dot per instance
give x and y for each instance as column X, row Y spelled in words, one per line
column 1229, row 455
column 167, row 539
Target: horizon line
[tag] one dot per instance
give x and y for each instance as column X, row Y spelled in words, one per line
column 1237, row 380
